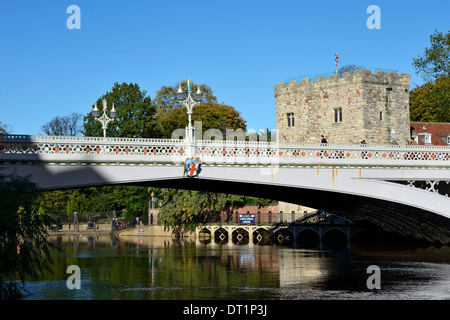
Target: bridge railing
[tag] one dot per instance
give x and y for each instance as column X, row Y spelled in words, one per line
column 272, row 218
column 57, row 149
column 52, row 149
column 270, row 153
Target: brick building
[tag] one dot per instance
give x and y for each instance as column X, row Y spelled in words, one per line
column 431, row 133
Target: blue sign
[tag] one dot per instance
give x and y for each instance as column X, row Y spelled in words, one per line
column 246, row 219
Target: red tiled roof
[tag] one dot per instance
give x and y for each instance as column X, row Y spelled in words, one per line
column 437, row 129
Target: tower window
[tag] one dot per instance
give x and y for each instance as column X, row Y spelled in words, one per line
column 290, row 119
column 338, row 115
column 381, row 115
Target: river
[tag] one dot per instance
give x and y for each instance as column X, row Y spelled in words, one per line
column 151, row 268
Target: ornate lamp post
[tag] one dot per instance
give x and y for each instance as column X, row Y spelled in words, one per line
column 189, row 103
column 104, row 119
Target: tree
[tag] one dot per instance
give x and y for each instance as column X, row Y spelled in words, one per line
column 166, row 97
column 185, row 207
column 431, row 101
column 135, row 113
column 348, row 68
column 4, row 128
column 436, row 60
column 211, row 114
column 63, row 203
column 24, row 249
column 63, row 126
column 188, row 208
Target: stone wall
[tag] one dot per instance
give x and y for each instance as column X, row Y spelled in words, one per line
column 157, row 231
column 363, row 99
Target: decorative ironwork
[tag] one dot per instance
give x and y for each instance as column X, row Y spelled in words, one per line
column 441, row 187
column 104, row 119
column 110, row 150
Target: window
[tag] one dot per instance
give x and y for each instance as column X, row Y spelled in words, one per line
column 448, row 140
column 338, row 115
column 425, row 137
column 290, row 119
column 381, row 115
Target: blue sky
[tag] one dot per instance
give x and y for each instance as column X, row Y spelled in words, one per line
column 241, row 49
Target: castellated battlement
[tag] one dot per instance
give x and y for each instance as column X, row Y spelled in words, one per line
column 345, row 109
column 361, row 75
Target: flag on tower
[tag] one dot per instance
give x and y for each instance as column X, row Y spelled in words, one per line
column 336, row 60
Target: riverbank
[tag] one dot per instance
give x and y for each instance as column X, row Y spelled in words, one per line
column 149, row 231
column 82, row 228
column 156, row 231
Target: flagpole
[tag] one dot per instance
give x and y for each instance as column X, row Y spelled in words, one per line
column 336, row 60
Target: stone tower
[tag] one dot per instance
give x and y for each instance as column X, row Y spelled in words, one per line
column 345, row 109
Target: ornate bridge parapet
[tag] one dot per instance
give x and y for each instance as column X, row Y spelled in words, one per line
column 86, row 150
column 96, row 150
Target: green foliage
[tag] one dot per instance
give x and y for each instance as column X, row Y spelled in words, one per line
column 135, row 114
column 4, row 128
column 212, row 116
column 435, row 62
column 62, row 204
column 166, row 97
column 24, row 249
column 187, row 207
column 431, row 101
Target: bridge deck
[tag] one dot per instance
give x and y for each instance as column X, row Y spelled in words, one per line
column 94, row 150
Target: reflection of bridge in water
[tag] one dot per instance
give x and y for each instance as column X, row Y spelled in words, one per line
column 313, row 230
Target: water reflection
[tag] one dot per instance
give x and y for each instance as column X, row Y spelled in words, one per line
column 166, row 268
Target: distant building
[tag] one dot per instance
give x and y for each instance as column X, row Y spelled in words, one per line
column 348, row 109
column 430, row 133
